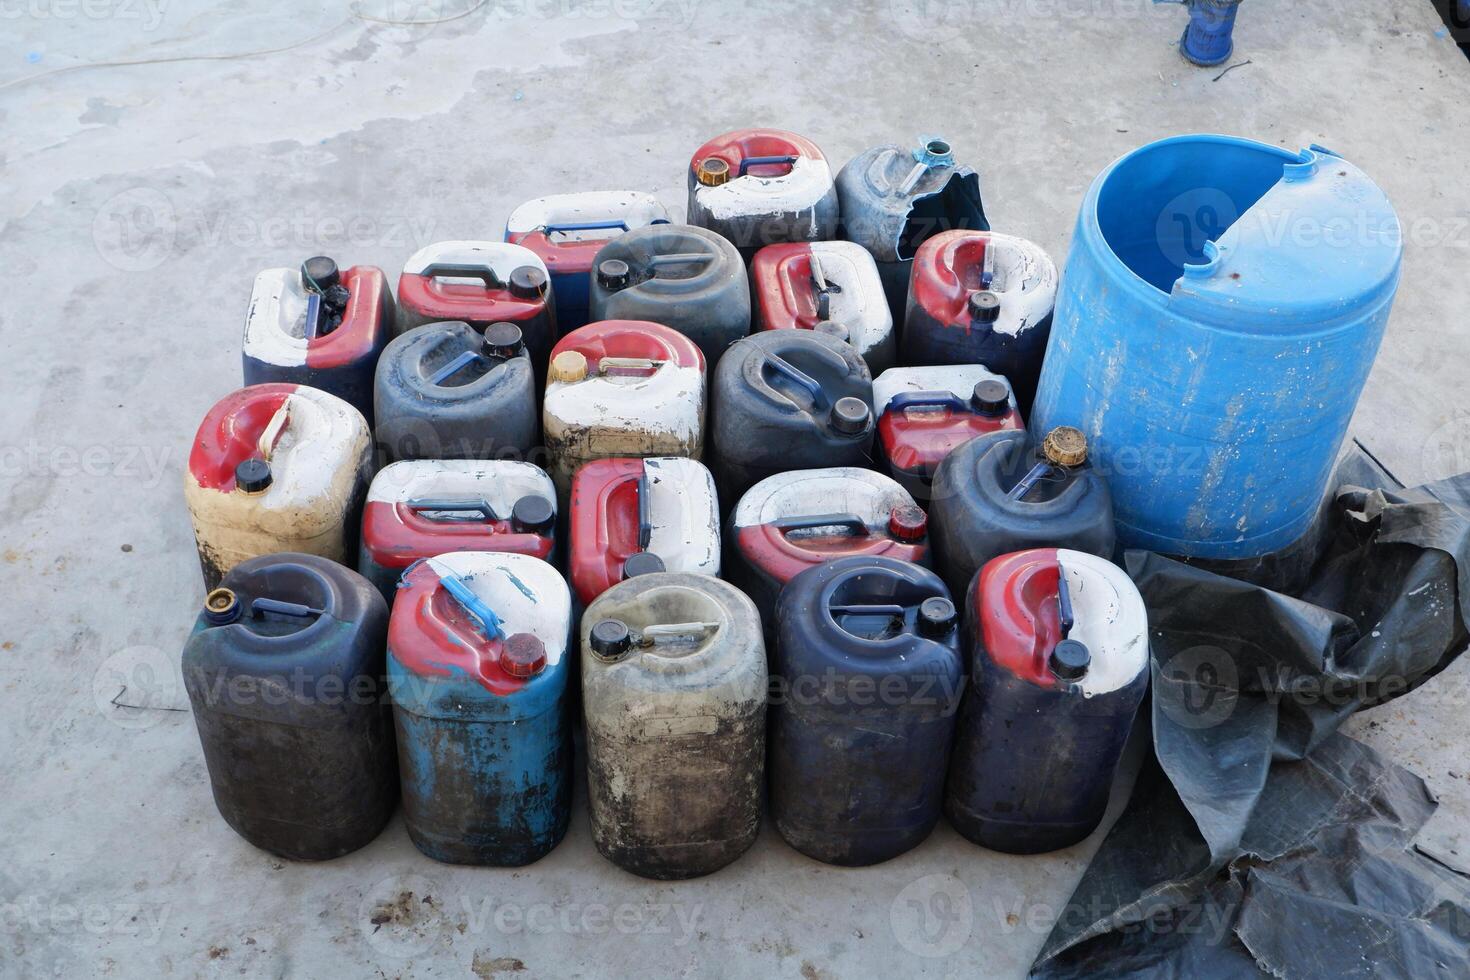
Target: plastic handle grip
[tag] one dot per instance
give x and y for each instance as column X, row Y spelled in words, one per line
column 876, row 609
column 627, row 365
column 927, row 399
column 565, row 226
column 273, row 429
column 1064, row 601
column 313, row 315
column 850, row 522
column 645, row 511
column 796, row 375
column 461, row 361
column 468, row 505
column 464, row 270
column 1038, row 473
column 473, row 605
column 748, row 162
column 259, row 607
column 681, row 258
column 672, row 631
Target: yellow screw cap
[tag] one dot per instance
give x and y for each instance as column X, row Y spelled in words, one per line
column 568, row 367
column 1065, row 446
column 712, row 172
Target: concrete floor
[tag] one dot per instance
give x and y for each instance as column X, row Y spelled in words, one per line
column 140, row 201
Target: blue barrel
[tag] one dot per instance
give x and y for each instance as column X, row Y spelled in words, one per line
column 869, row 673
column 478, row 667
column 1222, row 306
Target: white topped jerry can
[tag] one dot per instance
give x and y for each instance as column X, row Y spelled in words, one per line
column 275, row 468
column 829, row 286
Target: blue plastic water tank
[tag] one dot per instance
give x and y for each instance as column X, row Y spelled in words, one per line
column 1220, row 311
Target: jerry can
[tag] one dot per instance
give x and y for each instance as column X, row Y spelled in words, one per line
column 894, row 198
column 622, row 388
column 480, row 283
column 284, row 670
column 980, row 297
column 566, row 231
column 789, row 522
column 758, row 187
column 687, row 278
column 420, row 508
column 445, row 391
column 1060, row 666
column 275, row 468
column 631, row 516
column 321, row 326
column 477, row 667
column 869, row 669
column 925, row 413
column 998, row 493
column 1216, row 326
column 674, row 697
column 788, row 400
column 831, row 285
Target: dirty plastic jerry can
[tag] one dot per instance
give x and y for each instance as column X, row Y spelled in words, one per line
column 687, row 278
column 997, row 494
column 980, row 297
column 480, row 283
column 622, row 388
column 925, row 413
column 831, row 286
column 868, row 671
column 417, row 509
column 275, row 468
column 445, row 391
column 284, row 670
column 478, row 668
column 566, row 231
column 1223, row 304
column 321, row 326
column 895, row 198
column 674, row 697
column 634, row 516
column 1060, row 644
column 757, row 187
column 789, row 522
column 788, row 400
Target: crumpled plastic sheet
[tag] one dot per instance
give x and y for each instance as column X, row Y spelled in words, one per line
column 1258, row 841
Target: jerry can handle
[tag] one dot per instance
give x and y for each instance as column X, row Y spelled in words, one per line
column 1064, row 602
column 1039, row 472
column 266, row 445
column 259, row 607
column 748, row 162
column 680, row 258
column 462, row 360
column 565, row 226
column 645, row 511
column 464, row 505
column 811, row 385
column 464, row 270
column 473, row 605
column 313, row 315
column 869, row 609
column 627, row 365
column 851, row 522
column 650, row 635
column 927, row 399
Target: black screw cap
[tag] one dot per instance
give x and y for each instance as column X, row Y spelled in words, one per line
column 532, row 515
column 252, row 475
column 851, row 416
column 937, row 616
column 610, row 639
column 613, row 274
column 503, row 340
column 527, row 282
column 984, row 306
column 991, row 397
column 320, row 273
column 1070, row 659
column 642, row 563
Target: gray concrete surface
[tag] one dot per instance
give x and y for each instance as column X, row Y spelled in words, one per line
column 139, row 202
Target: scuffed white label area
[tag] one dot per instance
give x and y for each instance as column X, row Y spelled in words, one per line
column 1109, row 617
column 526, row 593
column 800, row 190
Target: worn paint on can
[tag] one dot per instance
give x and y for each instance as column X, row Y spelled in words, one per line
column 832, row 286
column 758, row 187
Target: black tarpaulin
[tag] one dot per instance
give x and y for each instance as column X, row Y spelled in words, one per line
column 1258, row 841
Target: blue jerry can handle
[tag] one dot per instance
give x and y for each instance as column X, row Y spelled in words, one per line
column 564, row 226
column 462, row 360
column 927, row 399
column 449, row 505
column 259, row 607
column 748, row 162
column 464, row 270
column 645, row 515
column 870, row 609
column 851, row 522
column 791, row 372
column 473, row 605
column 313, row 315
column 1039, row 472
column 1064, row 602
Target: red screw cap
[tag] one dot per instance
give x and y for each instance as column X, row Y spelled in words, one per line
column 523, row 655
column 907, row 523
